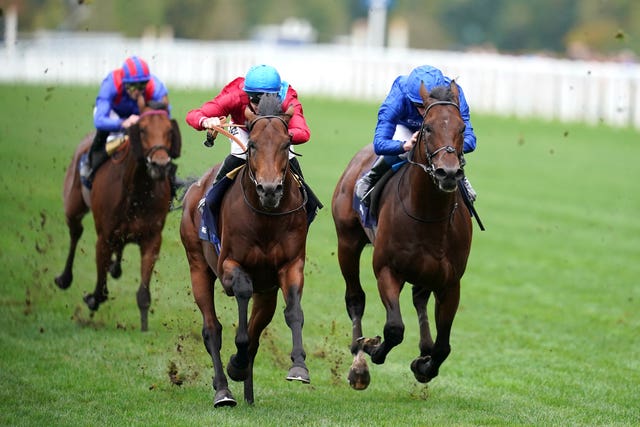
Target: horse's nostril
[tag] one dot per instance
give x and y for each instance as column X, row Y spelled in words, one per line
column 440, row 173
column 459, row 174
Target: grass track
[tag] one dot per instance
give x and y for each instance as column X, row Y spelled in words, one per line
column 548, row 330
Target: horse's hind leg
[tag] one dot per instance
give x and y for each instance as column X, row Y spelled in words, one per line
column 75, row 232
column 115, row 269
column 446, row 304
column 149, row 251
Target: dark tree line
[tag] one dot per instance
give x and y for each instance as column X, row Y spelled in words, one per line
column 509, row 26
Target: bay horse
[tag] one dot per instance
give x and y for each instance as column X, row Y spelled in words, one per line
column 129, row 199
column 423, row 237
column 263, row 228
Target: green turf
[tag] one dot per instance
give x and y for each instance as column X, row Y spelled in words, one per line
column 548, row 330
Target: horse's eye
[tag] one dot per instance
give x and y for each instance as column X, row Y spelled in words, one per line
column 428, row 128
column 463, row 128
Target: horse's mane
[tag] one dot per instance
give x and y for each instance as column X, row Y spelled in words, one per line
column 442, row 93
column 270, row 105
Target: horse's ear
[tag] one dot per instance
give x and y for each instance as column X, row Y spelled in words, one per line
column 289, row 113
column 176, row 140
column 424, row 93
column 134, row 140
column 250, row 115
column 453, row 86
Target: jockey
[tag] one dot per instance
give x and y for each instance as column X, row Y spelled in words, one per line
column 117, row 109
column 400, row 118
column 235, row 97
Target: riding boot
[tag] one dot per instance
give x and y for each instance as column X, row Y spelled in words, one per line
column 313, row 204
column 230, row 163
column 365, row 184
column 97, row 155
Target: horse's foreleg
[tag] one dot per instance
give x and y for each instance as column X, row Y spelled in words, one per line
column 75, row 232
column 427, row 367
column 100, row 293
column 242, row 286
column 292, row 282
column 149, row 251
column 389, row 287
column 263, row 308
column 202, row 285
column 420, row 297
column 349, row 251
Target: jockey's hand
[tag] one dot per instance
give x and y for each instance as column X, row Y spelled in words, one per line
column 210, row 122
column 408, row 145
column 131, row 120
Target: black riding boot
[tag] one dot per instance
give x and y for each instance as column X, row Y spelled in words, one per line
column 230, row 163
column 368, row 180
column 314, row 204
column 97, row 154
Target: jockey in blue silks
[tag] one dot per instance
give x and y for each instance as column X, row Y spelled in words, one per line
column 399, row 121
column 116, row 106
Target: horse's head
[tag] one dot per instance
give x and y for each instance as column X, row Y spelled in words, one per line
column 268, row 149
column 156, row 140
column 440, row 144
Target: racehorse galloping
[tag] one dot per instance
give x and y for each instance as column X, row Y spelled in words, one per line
column 263, row 229
column 423, row 238
column 129, row 200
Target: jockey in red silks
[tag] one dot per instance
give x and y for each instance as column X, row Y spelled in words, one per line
column 243, row 92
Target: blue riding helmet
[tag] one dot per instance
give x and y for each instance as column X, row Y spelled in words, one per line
column 431, row 77
column 136, row 70
column 262, row 79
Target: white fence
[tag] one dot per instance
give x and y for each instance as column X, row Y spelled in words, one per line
column 590, row 92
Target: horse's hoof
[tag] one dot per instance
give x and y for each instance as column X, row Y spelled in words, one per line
column 298, row 373
column 224, row 398
column 359, row 377
column 63, row 281
column 237, row 373
column 115, row 270
column 359, row 380
column 421, row 368
column 368, row 344
column 92, row 302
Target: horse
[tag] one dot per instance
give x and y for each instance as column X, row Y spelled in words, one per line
column 129, row 200
column 423, row 237
column 263, row 228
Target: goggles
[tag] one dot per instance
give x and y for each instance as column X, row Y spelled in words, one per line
column 136, row 86
column 254, row 97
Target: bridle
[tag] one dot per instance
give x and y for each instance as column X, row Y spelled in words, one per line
column 253, row 179
column 430, row 168
column 151, row 151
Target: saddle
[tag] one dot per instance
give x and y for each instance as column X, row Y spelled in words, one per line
column 114, row 144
